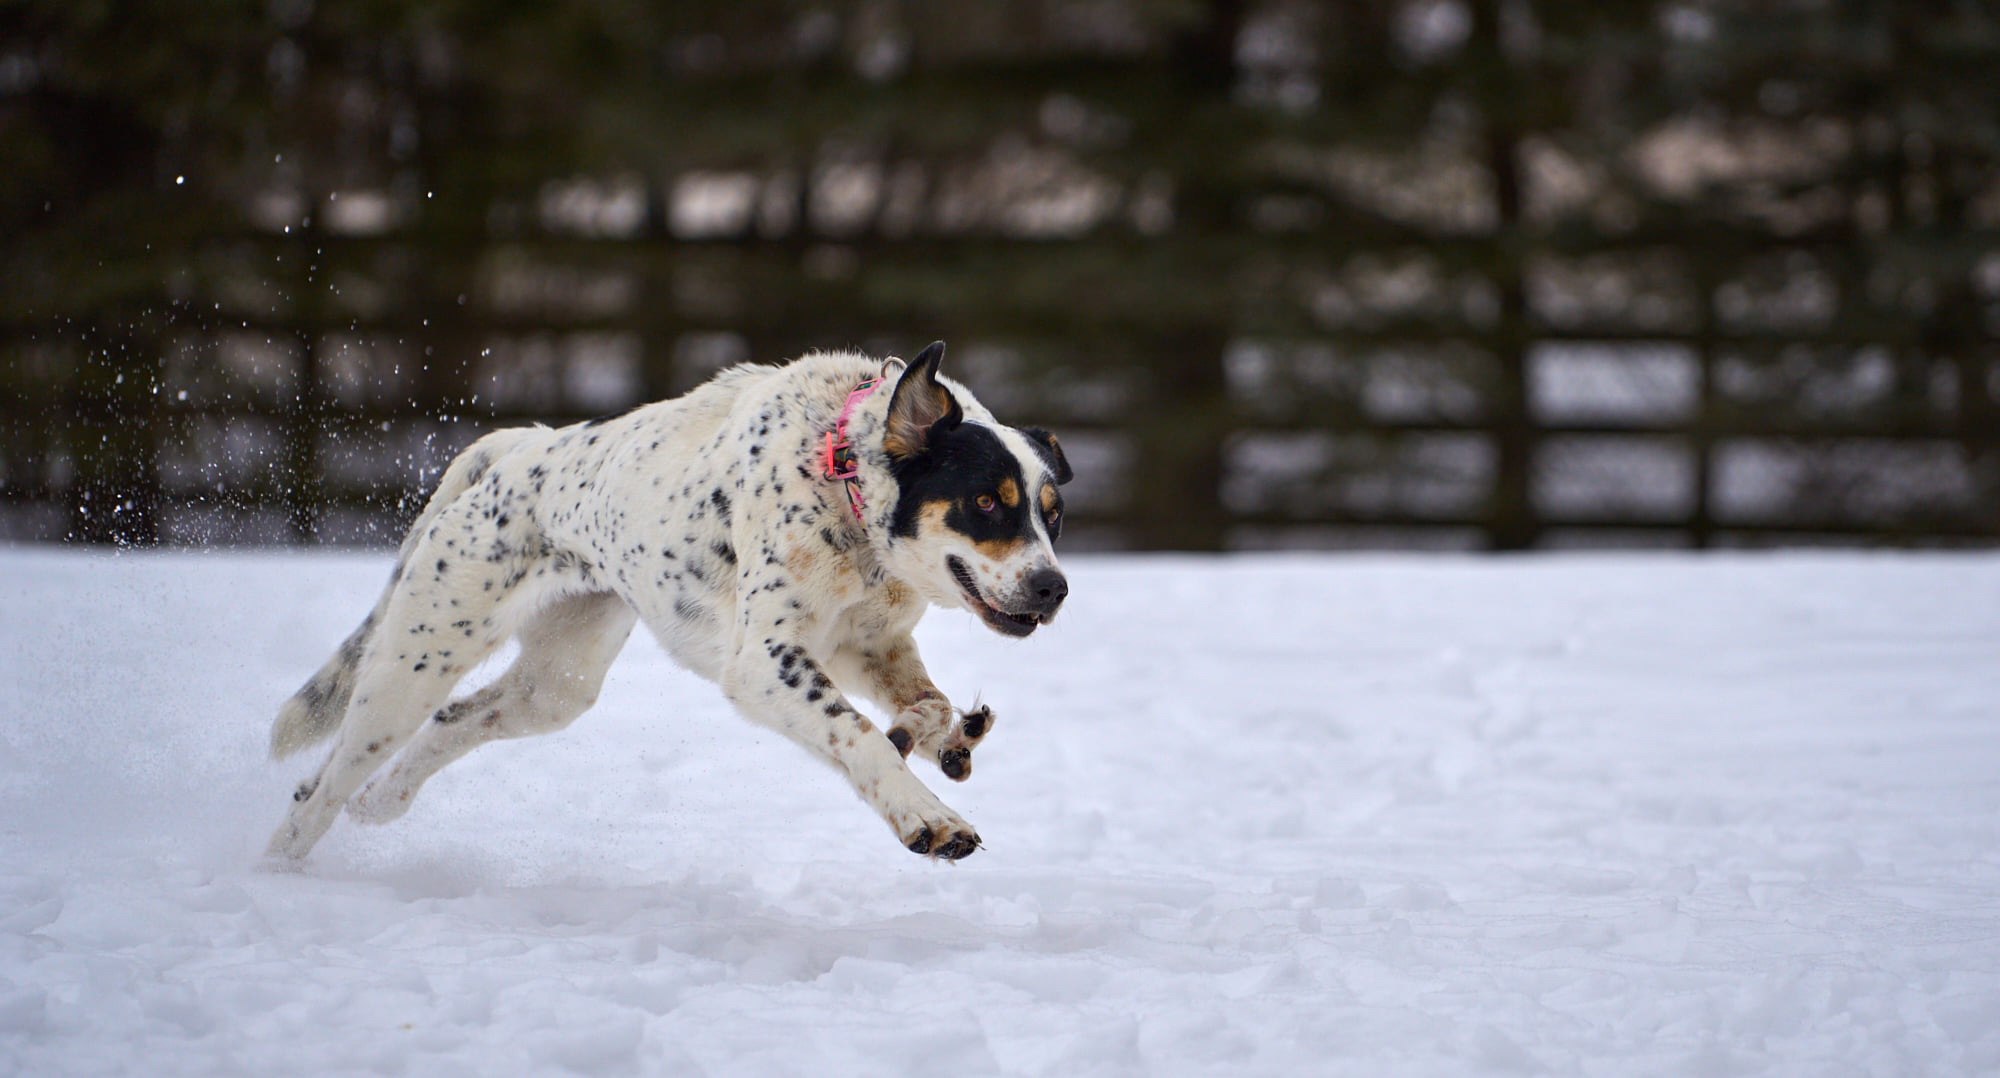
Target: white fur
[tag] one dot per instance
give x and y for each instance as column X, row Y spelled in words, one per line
column 706, row 518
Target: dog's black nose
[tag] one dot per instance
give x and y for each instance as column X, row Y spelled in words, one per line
column 1047, row 588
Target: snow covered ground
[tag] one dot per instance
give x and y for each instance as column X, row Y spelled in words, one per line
column 1606, row 815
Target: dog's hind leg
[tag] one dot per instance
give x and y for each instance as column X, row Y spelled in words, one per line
column 314, row 712
column 438, row 624
column 566, row 648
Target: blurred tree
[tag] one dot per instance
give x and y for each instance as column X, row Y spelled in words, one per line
column 335, row 219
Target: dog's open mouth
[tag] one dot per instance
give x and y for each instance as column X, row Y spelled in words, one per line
column 995, row 618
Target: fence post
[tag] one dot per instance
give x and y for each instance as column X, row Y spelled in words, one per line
column 1701, row 433
column 115, row 438
column 304, row 414
column 1177, row 434
column 1511, row 520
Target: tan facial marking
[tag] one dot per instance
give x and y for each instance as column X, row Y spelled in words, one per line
column 1048, row 497
column 999, row 549
column 1010, row 492
column 932, row 519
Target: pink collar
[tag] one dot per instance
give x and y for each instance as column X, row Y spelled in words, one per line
column 838, row 458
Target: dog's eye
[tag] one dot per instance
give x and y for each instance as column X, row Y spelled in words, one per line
column 985, row 503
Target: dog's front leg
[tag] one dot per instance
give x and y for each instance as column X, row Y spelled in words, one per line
column 774, row 681
column 926, row 724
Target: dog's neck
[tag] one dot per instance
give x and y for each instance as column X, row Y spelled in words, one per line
column 839, row 462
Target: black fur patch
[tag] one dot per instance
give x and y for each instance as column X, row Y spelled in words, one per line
column 960, row 465
column 975, row 722
column 1051, row 453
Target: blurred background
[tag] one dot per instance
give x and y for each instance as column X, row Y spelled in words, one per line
column 1480, row 274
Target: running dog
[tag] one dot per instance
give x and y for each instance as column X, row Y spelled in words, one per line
column 779, row 529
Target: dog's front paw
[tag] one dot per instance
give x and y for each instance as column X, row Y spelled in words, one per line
column 947, row 842
column 955, row 758
column 923, row 727
column 926, row 826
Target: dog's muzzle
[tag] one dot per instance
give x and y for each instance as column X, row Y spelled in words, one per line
column 1041, row 593
column 1044, row 591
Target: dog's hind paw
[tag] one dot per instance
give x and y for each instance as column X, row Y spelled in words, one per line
column 378, row 804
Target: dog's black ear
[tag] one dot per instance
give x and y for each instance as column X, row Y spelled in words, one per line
column 1051, row 451
column 921, row 407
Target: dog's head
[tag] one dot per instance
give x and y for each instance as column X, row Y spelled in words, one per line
column 978, row 506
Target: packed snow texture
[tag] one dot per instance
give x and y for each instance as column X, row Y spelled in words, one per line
column 1604, row 815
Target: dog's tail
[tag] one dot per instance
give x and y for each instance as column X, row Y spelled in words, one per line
column 314, row 712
